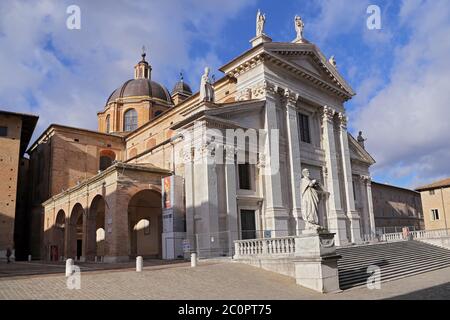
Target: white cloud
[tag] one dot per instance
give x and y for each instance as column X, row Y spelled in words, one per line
column 65, row 76
column 407, row 122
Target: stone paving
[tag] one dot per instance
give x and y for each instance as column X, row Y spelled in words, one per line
column 210, row 280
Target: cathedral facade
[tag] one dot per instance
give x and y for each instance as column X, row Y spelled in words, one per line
column 172, row 172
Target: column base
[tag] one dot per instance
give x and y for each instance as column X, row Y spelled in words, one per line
column 355, row 227
column 337, row 223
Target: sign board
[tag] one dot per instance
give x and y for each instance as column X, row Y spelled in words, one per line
column 186, row 245
column 267, row 233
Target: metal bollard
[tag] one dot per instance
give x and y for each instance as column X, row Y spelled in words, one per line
column 193, row 259
column 69, row 264
column 139, row 264
column 29, row 257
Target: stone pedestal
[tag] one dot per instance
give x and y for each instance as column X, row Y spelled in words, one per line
column 316, row 262
column 260, row 39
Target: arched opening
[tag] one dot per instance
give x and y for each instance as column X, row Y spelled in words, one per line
column 145, row 224
column 57, row 249
column 106, row 159
column 76, row 235
column 96, row 229
column 130, row 120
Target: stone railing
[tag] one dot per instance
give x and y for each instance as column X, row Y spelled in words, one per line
column 389, row 237
column 260, row 247
column 430, row 234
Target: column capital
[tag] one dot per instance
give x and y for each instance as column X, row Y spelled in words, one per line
column 269, row 89
column 290, row 97
column 343, row 120
column 366, row 179
column 328, row 114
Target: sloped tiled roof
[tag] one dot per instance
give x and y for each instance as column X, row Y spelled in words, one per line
column 435, row 185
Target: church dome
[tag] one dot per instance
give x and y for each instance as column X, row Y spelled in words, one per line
column 141, row 87
column 181, row 87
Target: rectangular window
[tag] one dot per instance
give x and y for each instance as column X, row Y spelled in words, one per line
column 431, row 192
column 3, row 131
column 244, row 176
column 434, row 214
column 304, row 128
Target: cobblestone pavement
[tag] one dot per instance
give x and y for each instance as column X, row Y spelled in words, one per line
column 210, row 280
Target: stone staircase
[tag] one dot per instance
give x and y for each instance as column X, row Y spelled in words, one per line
column 396, row 260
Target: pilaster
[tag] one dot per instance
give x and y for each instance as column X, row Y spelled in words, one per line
column 336, row 217
column 352, row 214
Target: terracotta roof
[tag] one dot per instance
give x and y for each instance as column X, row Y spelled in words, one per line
column 435, row 185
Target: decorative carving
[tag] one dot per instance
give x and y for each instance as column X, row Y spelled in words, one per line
column 245, row 95
column 343, row 121
column 328, row 114
column 291, row 97
column 326, row 243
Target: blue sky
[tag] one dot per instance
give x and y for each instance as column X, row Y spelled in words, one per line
column 400, row 73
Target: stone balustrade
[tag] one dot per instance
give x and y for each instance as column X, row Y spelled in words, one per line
column 430, row 234
column 272, row 246
column 389, row 237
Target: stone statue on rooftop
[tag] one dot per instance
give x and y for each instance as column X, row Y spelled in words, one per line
column 206, row 88
column 260, row 21
column 299, row 26
column 361, row 139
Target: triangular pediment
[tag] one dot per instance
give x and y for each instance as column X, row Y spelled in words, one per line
column 357, row 152
column 307, row 63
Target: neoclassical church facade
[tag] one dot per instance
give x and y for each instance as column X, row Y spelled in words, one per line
column 152, row 182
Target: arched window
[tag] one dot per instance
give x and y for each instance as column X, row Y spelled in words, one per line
column 107, row 124
column 130, row 120
column 106, row 159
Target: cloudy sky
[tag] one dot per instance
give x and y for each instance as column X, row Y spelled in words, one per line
column 401, row 73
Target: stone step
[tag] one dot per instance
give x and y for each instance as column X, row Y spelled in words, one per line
column 357, row 282
column 396, row 260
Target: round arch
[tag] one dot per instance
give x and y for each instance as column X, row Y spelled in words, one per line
column 145, row 224
column 59, row 228
column 76, row 232
column 95, row 228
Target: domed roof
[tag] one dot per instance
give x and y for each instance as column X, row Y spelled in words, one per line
column 182, row 87
column 141, row 87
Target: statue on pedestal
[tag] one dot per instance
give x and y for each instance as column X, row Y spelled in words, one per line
column 311, row 191
column 206, row 88
column 361, row 140
column 260, row 21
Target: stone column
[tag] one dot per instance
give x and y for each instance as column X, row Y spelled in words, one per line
column 230, row 189
column 336, row 217
column 295, row 167
column 368, row 183
column 276, row 217
column 352, row 214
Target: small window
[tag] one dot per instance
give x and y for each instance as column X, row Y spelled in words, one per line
column 431, row 192
column 434, row 214
column 244, row 176
column 304, row 128
column 158, row 113
column 108, row 124
column 3, row 131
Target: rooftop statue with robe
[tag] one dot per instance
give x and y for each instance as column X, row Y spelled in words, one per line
column 311, row 194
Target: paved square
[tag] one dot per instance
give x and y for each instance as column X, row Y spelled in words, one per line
column 210, row 280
